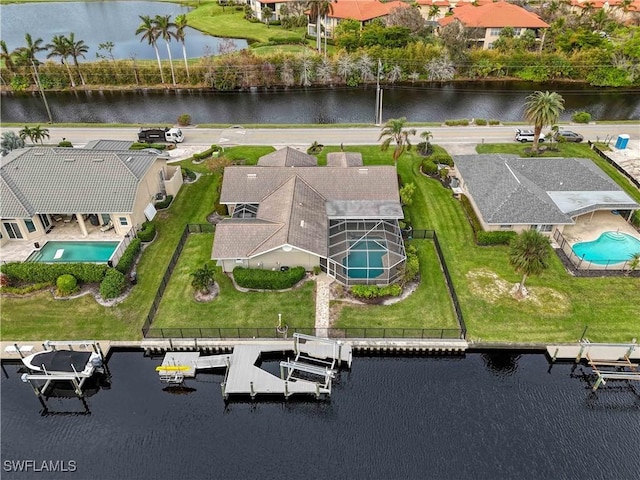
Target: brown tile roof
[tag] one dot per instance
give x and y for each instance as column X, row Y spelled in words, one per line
column 287, row 157
column 363, row 10
column 344, row 159
column 494, row 15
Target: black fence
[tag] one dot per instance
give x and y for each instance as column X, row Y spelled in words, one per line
column 271, row 332
column 614, row 164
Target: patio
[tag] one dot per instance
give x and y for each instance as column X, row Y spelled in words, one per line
column 590, row 226
column 19, row 251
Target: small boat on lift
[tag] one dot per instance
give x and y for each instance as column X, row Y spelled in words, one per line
column 64, row 362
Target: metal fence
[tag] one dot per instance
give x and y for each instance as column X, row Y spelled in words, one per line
column 581, row 264
column 115, row 258
column 614, row 164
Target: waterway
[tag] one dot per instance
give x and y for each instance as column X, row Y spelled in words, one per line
column 498, row 415
column 101, row 22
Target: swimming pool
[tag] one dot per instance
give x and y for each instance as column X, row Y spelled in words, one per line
column 66, row 252
column 610, row 247
column 364, row 259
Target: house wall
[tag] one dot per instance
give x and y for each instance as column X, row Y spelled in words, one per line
column 26, row 235
column 150, row 185
column 173, row 179
column 275, row 259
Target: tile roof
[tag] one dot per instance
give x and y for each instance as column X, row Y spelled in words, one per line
column 511, row 190
column 363, row 10
column 344, row 159
column 108, row 145
column 287, row 157
column 70, row 180
column 494, row 15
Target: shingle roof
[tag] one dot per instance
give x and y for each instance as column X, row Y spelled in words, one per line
column 511, row 190
column 287, row 157
column 494, row 15
column 66, row 180
column 344, row 159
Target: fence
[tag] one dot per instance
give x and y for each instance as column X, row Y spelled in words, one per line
column 115, row 258
column 614, row 164
column 271, row 332
column 586, row 265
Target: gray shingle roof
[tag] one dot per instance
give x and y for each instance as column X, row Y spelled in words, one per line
column 287, row 157
column 344, row 159
column 512, row 190
column 66, row 180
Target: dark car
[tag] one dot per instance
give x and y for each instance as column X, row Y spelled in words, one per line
column 569, row 136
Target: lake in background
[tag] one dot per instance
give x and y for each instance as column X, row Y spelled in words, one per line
column 100, row 22
column 496, row 415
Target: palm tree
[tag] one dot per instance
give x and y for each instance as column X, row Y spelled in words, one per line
column 10, row 141
column 150, row 33
column 434, row 12
column 202, row 278
column 28, row 55
column 528, row 255
column 77, row 49
column 164, row 27
column 59, row 47
column 319, row 8
column 26, row 133
column 395, row 132
column 542, row 109
column 427, row 136
column 180, row 33
column 6, row 58
column 634, row 263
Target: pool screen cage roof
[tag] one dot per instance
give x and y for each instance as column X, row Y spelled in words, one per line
column 365, row 251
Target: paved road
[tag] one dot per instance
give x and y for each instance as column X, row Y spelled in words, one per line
column 326, row 136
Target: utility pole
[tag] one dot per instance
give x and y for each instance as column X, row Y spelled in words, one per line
column 44, row 98
column 378, row 96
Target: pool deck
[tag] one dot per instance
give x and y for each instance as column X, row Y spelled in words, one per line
column 588, row 227
column 19, row 251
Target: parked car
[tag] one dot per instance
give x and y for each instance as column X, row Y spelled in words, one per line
column 527, row 136
column 569, row 136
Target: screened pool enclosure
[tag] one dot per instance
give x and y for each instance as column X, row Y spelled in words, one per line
column 364, row 251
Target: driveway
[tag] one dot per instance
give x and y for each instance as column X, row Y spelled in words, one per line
column 460, row 148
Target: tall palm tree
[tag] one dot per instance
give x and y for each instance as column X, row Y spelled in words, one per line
column 77, row 49
column 318, row 9
column 150, row 33
column 528, row 255
column 434, row 12
column 394, row 131
column 6, row 58
column 38, row 134
column 542, row 109
column 28, row 55
column 26, row 133
column 59, row 47
column 427, row 136
column 164, row 27
column 180, row 33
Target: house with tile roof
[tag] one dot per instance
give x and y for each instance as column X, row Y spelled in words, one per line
column 490, row 18
column 512, row 193
column 342, row 217
column 42, row 187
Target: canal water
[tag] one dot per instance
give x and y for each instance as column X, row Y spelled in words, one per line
column 495, row 415
column 503, row 101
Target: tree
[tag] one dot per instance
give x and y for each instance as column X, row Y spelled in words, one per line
column 406, row 16
column 10, row 141
column 164, row 27
column 6, row 58
column 434, row 12
column 77, row 49
column 180, row 34
column 266, row 15
column 35, row 134
column 528, row 254
column 149, row 32
column 319, row 8
column 634, row 263
column 202, row 278
column 27, row 55
column 59, row 47
column 427, row 136
column 108, row 48
column 394, row 131
column 542, row 109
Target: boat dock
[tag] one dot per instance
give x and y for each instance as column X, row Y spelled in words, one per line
column 601, row 351
column 310, row 372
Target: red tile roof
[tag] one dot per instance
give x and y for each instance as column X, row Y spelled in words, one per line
column 439, row 3
column 494, row 15
column 363, row 10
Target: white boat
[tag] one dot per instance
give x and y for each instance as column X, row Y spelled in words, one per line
column 64, row 362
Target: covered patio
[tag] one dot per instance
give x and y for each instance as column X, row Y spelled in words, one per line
column 590, row 226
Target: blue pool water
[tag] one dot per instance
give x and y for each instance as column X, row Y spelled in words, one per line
column 65, row 252
column 610, row 247
column 364, row 259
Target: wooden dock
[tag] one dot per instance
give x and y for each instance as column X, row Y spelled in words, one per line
column 597, row 351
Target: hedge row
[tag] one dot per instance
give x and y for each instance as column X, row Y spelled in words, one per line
column 148, row 232
column 143, row 145
column 443, row 158
column 373, row 291
column 129, row 256
column 34, row 272
column 164, row 203
column 113, row 284
column 459, row 122
column 206, row 153
column 267, row 279
column 495, row 238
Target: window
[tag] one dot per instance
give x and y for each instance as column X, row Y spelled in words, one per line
column 505, row 227
column 495, row 32
column 12, row 230
column 542, row 228
column 123, row 221
column 516, row 32
column 30, row 226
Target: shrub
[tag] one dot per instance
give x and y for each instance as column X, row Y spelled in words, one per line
column 4, row 280
column 471, row 214
column 129, row 256
column 65, row 143
column 373, row 291
column 315, row 148
column 425, row 149
column 184, row 120
column 411, row 266
column 457, row 123
column 442, row 158
column 635, row 218
column 221, row 209
column 113, row 284
column 406, row 193
column 267, row 279
column 34, row 272
column 429, row 168
column 493, row 121
column 143, row 145
column 66, row 284
column 148, row 232
column 188, row 174
column 480, row 121
column 581, row 117
column 164, row 203
column 34, row 287
column 495, row 238
column 317, row 270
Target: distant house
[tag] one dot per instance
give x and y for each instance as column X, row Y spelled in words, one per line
column 43, row 186
column 490, row 18
column 512, row 193
column 363, row 11
column 427, row 6
column 287, row 211
column 616, row 8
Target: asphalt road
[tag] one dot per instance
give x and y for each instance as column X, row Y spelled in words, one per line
column 326, row 136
